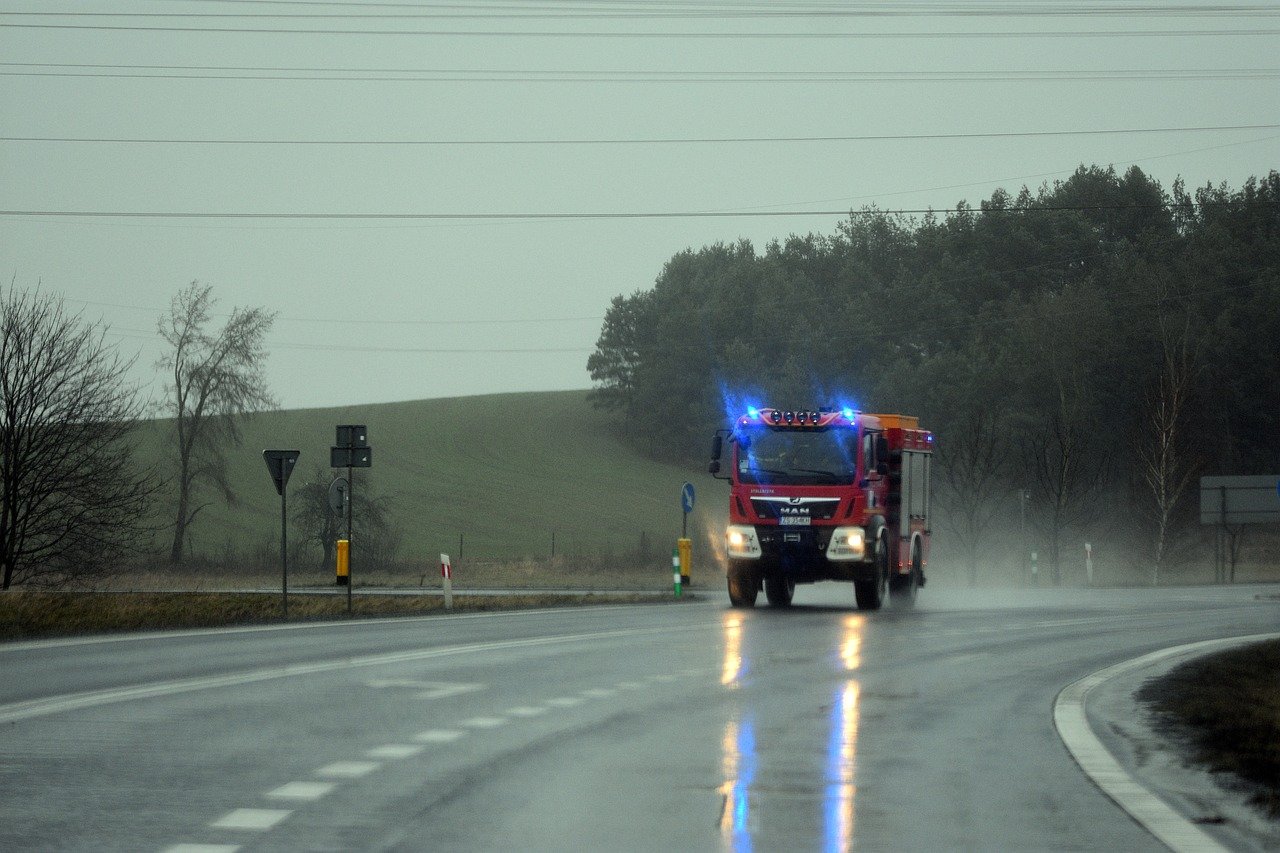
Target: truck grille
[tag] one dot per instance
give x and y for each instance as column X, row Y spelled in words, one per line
column 819, row 508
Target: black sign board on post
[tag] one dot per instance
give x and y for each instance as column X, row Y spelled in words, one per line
column 352, row 435
column 280, row 463
column 351, row 450
column 350, row 457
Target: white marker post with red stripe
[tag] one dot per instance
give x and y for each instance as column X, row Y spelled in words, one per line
column 446, row 573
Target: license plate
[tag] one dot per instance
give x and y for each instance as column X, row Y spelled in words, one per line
column 794, row 521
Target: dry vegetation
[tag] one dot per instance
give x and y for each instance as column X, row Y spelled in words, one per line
column 1226, row 708
column 30, row 614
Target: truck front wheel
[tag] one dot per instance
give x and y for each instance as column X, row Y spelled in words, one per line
column 779, row 590
column 870, row 594
column 743, row 585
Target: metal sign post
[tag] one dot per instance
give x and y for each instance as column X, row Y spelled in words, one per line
column 351, row 450
column 280, row 464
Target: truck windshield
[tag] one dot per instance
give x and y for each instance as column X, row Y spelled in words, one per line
column 790, row 457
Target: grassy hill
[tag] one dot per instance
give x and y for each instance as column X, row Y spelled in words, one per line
column 504, row 471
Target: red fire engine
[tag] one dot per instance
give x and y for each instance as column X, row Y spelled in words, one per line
column 832, row 494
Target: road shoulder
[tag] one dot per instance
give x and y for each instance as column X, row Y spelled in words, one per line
column 1113, row 739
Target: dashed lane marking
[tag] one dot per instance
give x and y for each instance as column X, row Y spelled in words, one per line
column 348, row 769
column 484, row 722
column 395, row 751
column 438, row 736
column 526, row 711
column 256, row 820
column 630, row 685
column 599, row 693
column 565, row 701
column 301, row 791
column 202, row 848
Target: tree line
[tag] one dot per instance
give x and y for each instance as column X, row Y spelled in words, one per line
column 1083, row 352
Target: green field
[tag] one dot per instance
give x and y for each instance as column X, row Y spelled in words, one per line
column 504, row 472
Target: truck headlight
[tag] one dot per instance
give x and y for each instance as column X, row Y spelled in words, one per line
column 847, row 543
column 740, row 541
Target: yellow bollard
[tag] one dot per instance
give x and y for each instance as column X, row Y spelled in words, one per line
column 685, row 547
column 344, row 567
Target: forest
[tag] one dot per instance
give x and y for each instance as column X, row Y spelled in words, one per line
column 1084, row 352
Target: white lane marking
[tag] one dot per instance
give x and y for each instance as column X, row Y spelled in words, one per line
column 599, row 693
column 665, row 678
column 76, row 701
column 202, row 848
column 1069, row 717
column 395, row 751
column 426, row 689
column 348, row 769
column 629, row 685
column 565, row 701
column 438, row 736
column 301, row 791
column 33, row 645
column 526, row 711
column 484, row 722
column 256, row 820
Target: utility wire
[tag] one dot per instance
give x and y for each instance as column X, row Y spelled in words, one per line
column 621, row 34
column 753, row 77
column 708, row 214
column 716, row 140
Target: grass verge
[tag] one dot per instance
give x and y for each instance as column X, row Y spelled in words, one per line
column 26, row 615
column 1226, row 709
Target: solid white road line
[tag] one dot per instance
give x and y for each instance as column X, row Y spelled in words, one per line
column 75, row 701
column 348, row 769
column 303, row 791
column 202, row 848
column 256, row 820
column 1156, row 816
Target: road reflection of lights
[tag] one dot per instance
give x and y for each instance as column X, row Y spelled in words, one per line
column 734, row 664
column 738, row 764
column 851, row 643
column 842, row 753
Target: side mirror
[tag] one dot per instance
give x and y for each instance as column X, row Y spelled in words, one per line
column 713, row 467
column 717, row 447
column 883, row 469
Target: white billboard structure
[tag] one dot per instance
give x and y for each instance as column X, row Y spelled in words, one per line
column 1229, row 503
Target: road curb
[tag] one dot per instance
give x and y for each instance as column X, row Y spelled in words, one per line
column 1149, row 810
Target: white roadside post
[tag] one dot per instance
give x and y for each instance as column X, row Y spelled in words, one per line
column 1088, row 563
column 446, row 573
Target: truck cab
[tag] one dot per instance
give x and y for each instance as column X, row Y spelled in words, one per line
column 825, row 494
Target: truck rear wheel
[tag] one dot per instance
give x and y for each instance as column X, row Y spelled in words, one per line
column 779, row 590
column 743, row 585
column 903, row 589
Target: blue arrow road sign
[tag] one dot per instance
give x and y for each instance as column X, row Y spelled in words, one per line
column 686, row 497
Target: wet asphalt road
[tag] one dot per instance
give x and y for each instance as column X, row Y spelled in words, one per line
column 685, row 727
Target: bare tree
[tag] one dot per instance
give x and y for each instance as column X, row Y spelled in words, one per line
column 72, row 502
column 1166, row 463
column 215, row 378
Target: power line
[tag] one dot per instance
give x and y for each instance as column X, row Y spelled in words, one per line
column 717, row 140
column 708, row 214
column 604, row 34
column 491, row 76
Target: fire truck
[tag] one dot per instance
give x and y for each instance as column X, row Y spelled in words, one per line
column 826, row 494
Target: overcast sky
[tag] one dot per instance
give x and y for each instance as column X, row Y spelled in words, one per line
column 381, row 309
